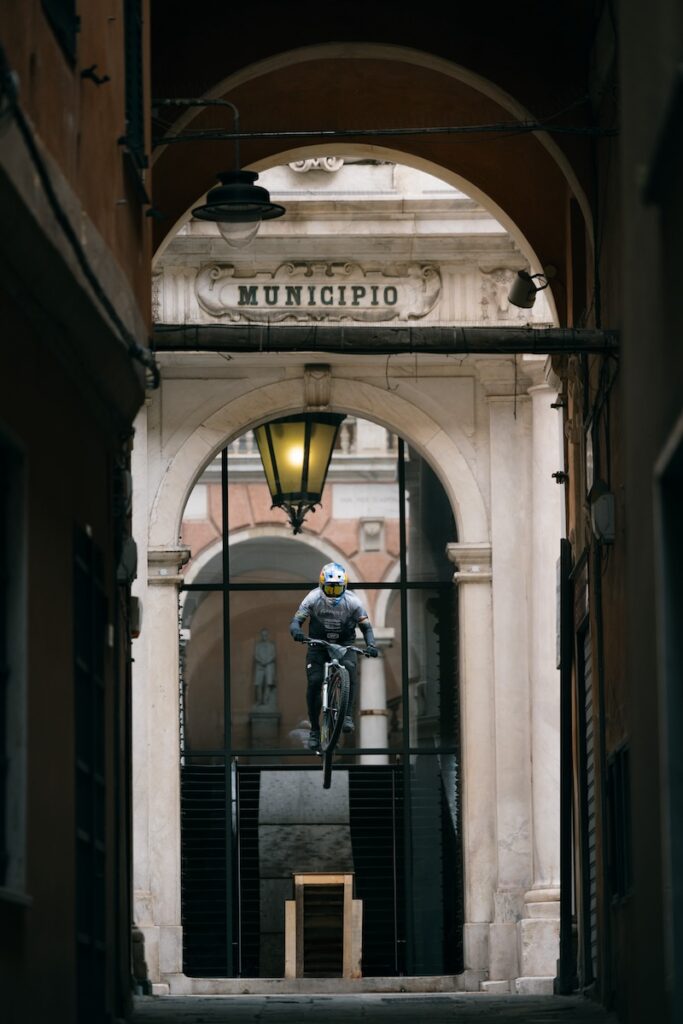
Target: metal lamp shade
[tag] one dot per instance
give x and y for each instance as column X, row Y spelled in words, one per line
column 523, row 291
column 296, row 452
column 238, row 206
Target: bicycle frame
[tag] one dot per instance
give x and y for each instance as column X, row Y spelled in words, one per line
column 338, row 651
column 336, row 713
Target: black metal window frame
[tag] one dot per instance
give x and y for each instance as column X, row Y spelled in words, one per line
column 404, row 754
column 402, row 586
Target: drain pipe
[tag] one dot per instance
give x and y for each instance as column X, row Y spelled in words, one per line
column 372, row 340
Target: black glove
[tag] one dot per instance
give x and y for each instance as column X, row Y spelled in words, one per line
column 299, row 636
column 372, row 652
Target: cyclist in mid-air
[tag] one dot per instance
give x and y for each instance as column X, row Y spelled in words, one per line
column 334, row 613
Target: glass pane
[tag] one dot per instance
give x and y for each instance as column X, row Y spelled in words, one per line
column 201, row 670
column 322, row 439
column 202, row 526
column 379, row 706
column 262, row 437
column 268, row 672
column 357, row 522
column 263, row 548
column 432, row 667
column 288, row 443
column 435, row 886
column 430, row 525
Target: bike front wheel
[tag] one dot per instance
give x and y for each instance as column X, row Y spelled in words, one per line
column 338, row 689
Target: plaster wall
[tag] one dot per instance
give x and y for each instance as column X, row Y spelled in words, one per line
column 57, row 495
column 79, row 123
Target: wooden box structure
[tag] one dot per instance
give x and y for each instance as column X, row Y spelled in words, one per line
column 323, row 927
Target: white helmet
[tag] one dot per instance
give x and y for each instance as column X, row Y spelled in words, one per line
column 333, row 580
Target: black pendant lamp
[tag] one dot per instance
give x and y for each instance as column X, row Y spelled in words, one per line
column 238, row 205
column 296, row 452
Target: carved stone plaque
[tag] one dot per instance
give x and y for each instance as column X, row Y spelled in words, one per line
column 319, row 291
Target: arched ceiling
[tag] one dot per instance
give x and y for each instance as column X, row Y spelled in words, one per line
column 366, row 86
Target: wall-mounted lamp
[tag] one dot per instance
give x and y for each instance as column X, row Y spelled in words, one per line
column 237, row 205
column 602, row 512
column 523, row 290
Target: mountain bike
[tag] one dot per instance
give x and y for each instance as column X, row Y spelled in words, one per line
column 335, row 693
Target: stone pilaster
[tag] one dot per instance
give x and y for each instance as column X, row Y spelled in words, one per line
column 157, row 835
column 539, row 928
column 473, row 579
column 509, row 420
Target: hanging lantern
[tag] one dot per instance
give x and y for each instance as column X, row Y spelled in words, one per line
column 296, row 452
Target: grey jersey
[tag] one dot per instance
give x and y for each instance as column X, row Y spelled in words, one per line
column 331, row 621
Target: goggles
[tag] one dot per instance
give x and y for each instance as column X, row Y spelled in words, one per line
column 333, row 589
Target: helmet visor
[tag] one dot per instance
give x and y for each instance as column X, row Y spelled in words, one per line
column 333, row 589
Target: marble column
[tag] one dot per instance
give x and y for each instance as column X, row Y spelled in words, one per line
column 157, row 778
column 373, row 711
column 478, row 767
column 510, row 426
column 539, row 929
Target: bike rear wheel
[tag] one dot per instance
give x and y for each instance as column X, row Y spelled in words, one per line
column 338, row 690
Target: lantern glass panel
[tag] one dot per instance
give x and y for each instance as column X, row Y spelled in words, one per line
column 322, row 440
column 261, row 435
column 289, row 440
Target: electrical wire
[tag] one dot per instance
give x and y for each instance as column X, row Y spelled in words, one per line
column 8, row 88
column 503, row 129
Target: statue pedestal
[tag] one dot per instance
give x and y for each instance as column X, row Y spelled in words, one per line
column 265, row 724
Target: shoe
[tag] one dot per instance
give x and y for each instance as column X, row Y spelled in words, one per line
column 348, row 724
column 314, row 739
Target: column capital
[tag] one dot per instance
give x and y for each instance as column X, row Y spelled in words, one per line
column 164, row 564
column 497, row 376
column 542, row 376
column 472, row 561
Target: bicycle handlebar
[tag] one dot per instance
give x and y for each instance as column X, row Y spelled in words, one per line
column 311, row 641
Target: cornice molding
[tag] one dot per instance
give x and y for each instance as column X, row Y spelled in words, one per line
column 472, row 561
column 164, row 564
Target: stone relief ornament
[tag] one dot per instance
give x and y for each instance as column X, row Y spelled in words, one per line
column 317, row 385
column 318, row 163
column 319, row 291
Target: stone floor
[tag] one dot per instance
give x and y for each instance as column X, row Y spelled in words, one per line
column 340, row 1009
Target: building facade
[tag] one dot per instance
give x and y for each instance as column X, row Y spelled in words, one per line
column 380, row 242
column 574, row 150
column 74, row 298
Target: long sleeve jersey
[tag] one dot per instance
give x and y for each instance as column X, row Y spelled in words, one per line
column 334, row 621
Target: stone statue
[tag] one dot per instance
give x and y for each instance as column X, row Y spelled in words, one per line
column 264, row 672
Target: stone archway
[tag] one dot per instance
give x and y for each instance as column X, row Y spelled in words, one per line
column 496, row 801
column 452, row 419
column 426, row 435
column 158, row 865
column 367, row 85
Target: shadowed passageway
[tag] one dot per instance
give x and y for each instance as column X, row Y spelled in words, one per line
column 411, row 1008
